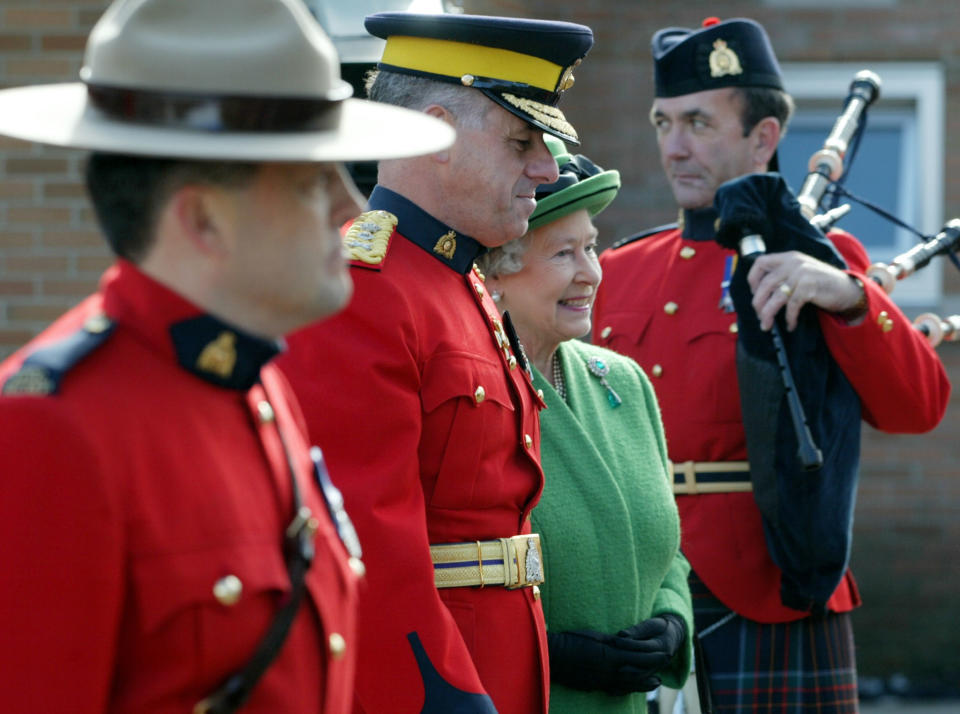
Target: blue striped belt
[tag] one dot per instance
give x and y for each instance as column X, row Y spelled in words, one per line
column 515, row 562
column 691, row 478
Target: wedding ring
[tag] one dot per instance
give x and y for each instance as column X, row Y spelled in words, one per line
column 785, row 289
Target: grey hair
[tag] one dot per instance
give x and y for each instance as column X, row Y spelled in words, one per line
column 506, row 259
column 469, row 106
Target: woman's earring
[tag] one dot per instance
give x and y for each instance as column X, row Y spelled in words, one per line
column 496, row 295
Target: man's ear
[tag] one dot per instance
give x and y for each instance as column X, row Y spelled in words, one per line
column 443, row 114
column 202, row 216
column 766, row 136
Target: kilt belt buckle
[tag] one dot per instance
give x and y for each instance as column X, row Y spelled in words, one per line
column 514, row 562
column 691, row 478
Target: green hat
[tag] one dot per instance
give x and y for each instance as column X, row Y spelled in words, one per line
column 582, row 184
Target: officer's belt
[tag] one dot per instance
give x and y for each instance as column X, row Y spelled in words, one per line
column 515, row 562
column 691, row 478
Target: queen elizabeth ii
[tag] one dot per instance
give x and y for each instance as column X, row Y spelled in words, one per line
column 615, row 597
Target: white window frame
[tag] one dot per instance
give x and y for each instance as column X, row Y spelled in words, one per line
column 922, row 85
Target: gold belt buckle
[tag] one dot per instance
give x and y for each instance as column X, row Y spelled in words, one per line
column 524, row 556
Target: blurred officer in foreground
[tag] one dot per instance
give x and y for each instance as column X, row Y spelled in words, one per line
column 167, row 545
column 435, row 416
column 719, row 113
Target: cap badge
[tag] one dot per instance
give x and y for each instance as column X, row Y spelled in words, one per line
column 567, row 79
column 723, row 60
column 367, row 239
column 220, row 356
column 446, row 245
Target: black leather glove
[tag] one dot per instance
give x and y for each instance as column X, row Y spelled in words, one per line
column 661, row 636
column 590, row 660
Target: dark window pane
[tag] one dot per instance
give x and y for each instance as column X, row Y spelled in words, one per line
column 874, row 176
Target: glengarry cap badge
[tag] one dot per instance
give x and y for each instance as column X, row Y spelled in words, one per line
column 723, row 60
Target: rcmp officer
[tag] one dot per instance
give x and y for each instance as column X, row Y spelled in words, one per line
column 167, row 545
column 719, row 112
column 435, row 416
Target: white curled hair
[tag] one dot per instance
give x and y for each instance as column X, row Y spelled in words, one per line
column 506, row 259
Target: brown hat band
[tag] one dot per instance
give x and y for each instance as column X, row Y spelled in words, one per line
column 213, row 113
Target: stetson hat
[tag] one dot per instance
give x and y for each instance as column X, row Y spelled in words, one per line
column 248, row 80
column 581, row 185
column 525, row 66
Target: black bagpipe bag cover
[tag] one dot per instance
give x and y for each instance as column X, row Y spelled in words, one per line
column 807, row 515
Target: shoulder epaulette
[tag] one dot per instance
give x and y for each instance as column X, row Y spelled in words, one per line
column 44, row 369
column 644, row 234
column 367, row 240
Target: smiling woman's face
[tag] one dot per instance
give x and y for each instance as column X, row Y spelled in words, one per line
column 550, row 299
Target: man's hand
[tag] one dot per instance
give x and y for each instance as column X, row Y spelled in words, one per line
column 793, row 279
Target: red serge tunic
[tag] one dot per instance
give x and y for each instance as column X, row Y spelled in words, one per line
column 129, row 498
column 433, row 438
column 659, row 304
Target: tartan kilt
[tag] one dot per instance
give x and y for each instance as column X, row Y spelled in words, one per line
column 807, row 665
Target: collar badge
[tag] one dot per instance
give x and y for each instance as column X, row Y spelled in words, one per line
column 446, row 245
column 220, row 356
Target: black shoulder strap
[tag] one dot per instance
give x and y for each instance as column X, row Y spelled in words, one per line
column 299, row 552
column 643, row 234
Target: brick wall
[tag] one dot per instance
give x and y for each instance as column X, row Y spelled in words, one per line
column 906, row 550
column 50, row 251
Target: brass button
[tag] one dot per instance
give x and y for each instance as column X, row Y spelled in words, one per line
column 480, row 394
column 479, row 288
column 227, row 590
column 657, row 370
column 882, row 317
column 887, row 325
column 96, row 324
column 527, row 440
column 687, row 252
column 605, row 332
column 733, row 328
column 338, row 645
column 536, row 592
column 512, row 362
column 671, row 308
column 540, row 393
column 265, row 412
column 357, row 566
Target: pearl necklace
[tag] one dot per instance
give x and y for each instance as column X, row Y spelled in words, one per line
column 558, row 382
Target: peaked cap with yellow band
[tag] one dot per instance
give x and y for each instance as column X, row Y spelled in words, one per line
column 733, row 53
column 525, row 66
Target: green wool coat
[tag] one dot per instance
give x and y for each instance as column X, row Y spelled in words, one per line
column 607, row 517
